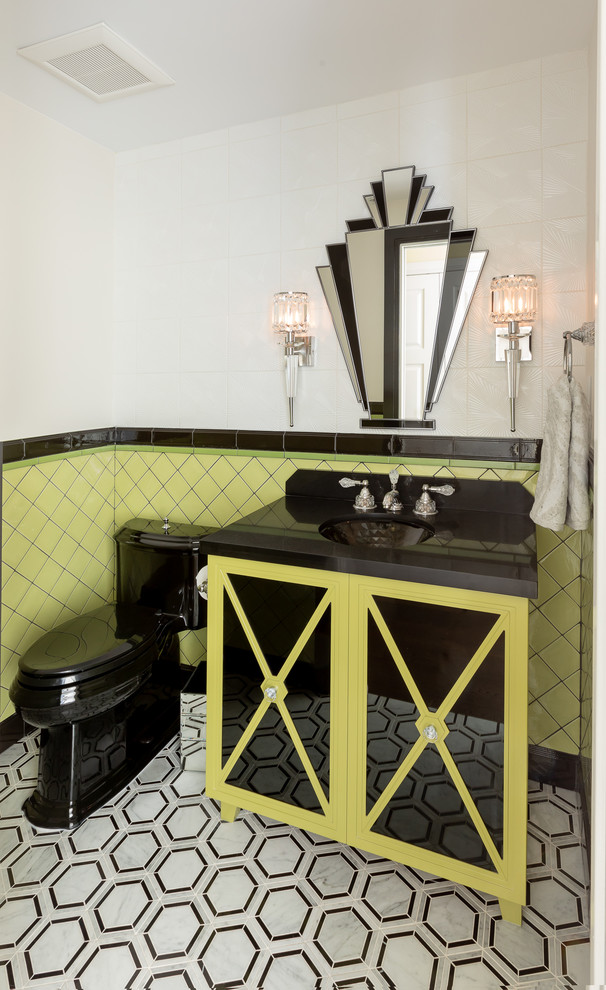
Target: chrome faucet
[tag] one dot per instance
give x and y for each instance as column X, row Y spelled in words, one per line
column 364, row 500
column 425, row 505
column 392, row 501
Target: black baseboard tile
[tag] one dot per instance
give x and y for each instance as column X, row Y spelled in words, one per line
column 59, row 443
column 86, row 439
column 221, row 439
column 13, row 450
column 260, row 440
column 422, row 446
column 362, row 445
column 133, row 436
column 309, row 443
column 172, row 438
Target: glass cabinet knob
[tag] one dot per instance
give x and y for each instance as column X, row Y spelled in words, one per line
column 430, row 732
column 271, row 693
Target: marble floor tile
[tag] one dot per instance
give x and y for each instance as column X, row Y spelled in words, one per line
column 155, row 892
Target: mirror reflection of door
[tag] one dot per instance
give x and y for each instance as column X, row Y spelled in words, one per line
column 422, row 273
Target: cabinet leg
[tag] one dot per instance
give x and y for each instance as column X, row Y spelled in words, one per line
column 229, row 812
column 510, row 911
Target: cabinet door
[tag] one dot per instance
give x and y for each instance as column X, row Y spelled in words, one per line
column 277, row 714
column 438, row 721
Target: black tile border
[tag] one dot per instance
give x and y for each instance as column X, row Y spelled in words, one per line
column 348, row 444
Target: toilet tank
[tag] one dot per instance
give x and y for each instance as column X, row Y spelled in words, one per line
column 157, row 567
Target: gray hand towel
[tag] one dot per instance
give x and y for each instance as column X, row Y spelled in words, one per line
column 577, row 516
column 561, row 496
column 551, row 496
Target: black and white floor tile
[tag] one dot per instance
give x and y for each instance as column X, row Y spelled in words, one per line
column 155, row 892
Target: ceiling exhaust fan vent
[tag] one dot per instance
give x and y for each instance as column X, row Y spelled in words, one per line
column 97, row 62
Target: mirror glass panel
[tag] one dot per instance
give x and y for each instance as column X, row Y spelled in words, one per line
column 398, row 291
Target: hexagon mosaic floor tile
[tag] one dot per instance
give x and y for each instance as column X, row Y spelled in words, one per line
column 155, row 892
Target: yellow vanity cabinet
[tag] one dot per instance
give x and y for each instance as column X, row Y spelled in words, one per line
column 386, row 714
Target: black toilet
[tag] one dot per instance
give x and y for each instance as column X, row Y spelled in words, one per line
column 104, row 686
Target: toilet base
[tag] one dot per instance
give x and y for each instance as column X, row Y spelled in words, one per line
column 83, row 765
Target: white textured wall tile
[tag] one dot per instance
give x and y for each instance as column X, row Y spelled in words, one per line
column 254, row 225
column 315, row 404
column 309, row 118
column 126, row 189
column 256, row 129
column 159, row 238
column 439, row 90
column 450, row 411
column 254, row 167
column 157, row 400
column 123, row 398
column 450, row 182
column 350, row 204
column 444, row 141
column 203, row 401
column 253, row 281
column 309, row 218
column 126, row 290
column 504, row 74
column 203, row 344
column 256, row 400
column 565, row 255
column 159, row 184
column 126, row 241
column 515, row 247
column 562, row 311
column 565, row 107
column 564, row 62
column 368, row 105
column 158, row 345
column 199, row 141
column 204, row 288
column 368, row 144
column 309, row 157
column 252, row 344
column 204, row 232
column 488, row 404
column 204, row 177
column 505, row 189
column 565, row 181
column 158, row 291
column 125, row 346
column 505, row 119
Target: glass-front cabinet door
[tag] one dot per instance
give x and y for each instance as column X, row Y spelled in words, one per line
column 277, row 676
column 438, row 723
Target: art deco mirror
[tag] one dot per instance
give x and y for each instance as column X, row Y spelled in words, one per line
column 398, row 291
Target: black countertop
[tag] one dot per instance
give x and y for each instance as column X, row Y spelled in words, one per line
column 484, row 539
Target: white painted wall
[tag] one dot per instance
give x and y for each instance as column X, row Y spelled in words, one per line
column 207, row 229
column 56, row 260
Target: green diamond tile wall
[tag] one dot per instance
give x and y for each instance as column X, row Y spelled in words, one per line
column 57, row 548
column 60, row 515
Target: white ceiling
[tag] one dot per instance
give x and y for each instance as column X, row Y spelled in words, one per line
column 236, row 61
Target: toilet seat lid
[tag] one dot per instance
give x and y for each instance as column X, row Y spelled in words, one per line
column 106, row 636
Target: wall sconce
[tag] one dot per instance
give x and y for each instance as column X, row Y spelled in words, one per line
column 291, row 320
column 513, row 301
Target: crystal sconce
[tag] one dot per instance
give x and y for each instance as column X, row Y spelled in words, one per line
column 513, row 304
column 291, row 320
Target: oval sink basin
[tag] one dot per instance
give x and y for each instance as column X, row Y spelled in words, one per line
column 375, row 530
